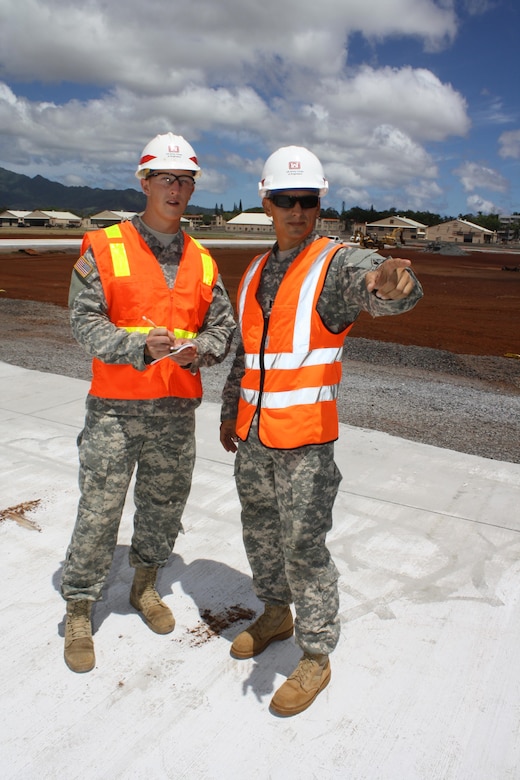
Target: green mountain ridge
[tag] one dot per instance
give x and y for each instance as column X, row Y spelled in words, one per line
column 18, row 191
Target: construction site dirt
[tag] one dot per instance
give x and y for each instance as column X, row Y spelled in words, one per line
column 471, row 301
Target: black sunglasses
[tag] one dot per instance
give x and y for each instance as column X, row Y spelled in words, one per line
column 289, row 201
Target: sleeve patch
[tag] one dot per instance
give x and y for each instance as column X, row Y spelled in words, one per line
column 83, row 267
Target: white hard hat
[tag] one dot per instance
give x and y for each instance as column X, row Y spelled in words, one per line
column 167, row 152
column 292, row 168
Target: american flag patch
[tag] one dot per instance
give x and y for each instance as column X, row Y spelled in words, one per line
column 83, row 267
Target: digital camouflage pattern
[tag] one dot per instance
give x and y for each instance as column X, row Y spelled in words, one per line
column 291, row 493
column 109, row 447
column 287, row 496
column 157, row 435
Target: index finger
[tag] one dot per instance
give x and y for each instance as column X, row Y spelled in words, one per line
column 392, row 263
column 383, row 273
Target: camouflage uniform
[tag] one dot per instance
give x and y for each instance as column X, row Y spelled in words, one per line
column 157, row 434
column 287, row 496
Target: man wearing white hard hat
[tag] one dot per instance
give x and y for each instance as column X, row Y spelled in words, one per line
column 141, row 290
column 296, row 303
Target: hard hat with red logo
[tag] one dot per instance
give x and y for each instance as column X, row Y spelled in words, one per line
column 167, row 152
column 292, row 168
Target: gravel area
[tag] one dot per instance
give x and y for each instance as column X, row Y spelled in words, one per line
column 461, row 402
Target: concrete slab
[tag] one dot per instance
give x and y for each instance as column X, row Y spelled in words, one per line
column 425, row 680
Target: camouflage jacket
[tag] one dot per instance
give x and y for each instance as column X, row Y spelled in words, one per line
column 343, row 297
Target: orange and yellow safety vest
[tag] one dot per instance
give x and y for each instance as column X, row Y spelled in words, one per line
column 135, row 288
column 293, row 363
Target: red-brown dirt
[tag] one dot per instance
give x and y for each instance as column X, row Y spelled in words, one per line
column 471, row 305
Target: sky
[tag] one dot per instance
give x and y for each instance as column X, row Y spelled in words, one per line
column 409, row 104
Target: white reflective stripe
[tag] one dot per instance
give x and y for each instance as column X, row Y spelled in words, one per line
column 249, row 396
column 252, row 361
column 247, row 280
column 302, row 325
column 289, row 360
column 307, row 395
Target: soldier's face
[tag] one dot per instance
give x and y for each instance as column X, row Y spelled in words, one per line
column 294, row 219
column 168, row 193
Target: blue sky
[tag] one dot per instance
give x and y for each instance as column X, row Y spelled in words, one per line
column 411, row 104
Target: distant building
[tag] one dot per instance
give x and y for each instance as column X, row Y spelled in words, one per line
column 107, row 217
column 40, row 218
column 328, row 225
column 194, row 221
column 52, row 219
column 509, row 227
column 400, row 228
column 12, row 217
column 250, row 222
column 460, row 231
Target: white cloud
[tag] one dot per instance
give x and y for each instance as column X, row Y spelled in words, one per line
column 510, row 144
column 152, row 45
column 477, row 7
column 473, row 176
column 212, row 180
column 228, row 75
column 478, row 204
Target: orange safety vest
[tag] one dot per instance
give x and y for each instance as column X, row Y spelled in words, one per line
column 292, row 361
column 135, row 287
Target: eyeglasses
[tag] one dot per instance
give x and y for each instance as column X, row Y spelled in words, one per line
column 168, row 179
column 289, row 201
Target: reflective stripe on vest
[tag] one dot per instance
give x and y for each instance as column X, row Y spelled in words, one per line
column 136, row 290
column 294, row 381
column 121, row 267
column 208, row 264
column 307, row 395
column 117, row 251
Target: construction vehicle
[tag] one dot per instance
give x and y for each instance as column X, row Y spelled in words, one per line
column 394, row 238
column 366, row 240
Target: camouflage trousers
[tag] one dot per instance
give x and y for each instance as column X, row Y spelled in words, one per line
column 110, row 447
column 287, row 498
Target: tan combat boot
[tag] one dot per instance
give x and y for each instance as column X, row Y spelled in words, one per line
column 300, row 689
column 145, row 599
column 79, row 646
column 276, row 623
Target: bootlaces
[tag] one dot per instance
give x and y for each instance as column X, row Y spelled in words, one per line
column 150, row 598
column 306, row 669
column 79, row 623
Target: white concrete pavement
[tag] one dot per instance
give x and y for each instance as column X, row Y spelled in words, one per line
column 425, row 680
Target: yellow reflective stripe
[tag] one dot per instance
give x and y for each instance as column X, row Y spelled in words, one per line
column 113, row 231
column 207, row 269
column 177, row 332
column 184, row 334
column 207, row 263
column 117, row 251
column 119, row 259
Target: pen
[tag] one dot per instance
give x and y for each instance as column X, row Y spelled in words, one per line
column 172, row 349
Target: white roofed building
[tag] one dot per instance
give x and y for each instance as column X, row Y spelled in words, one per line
column 460, row 231
column 400, row 228
column 40, row 218
column 12, row 217
column 108, row 217
column 250, row 222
